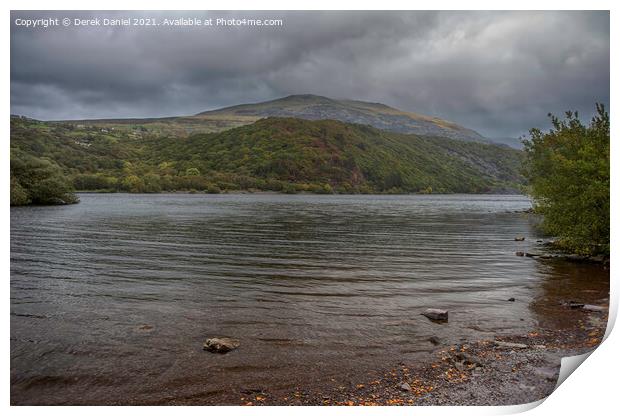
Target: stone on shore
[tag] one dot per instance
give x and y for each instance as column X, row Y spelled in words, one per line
column 221, row 345
column 512, row 345
column 593, row 308
column 467, row 359
column 436, row 314
column 405, row 387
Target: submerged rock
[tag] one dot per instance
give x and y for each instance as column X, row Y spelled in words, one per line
column 436, row 314
column 575, row 258
column 434, row 340
column 520, row 253
column 511, row 299
column 519, row 238
column 221, row 345
column 145, row 327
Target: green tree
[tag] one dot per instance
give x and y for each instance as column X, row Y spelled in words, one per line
column 38, row 181
column 132, row 183
column 192, row 172
column 19, row 196
column 568, row 172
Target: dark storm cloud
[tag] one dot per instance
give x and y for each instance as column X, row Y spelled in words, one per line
column 497, row 72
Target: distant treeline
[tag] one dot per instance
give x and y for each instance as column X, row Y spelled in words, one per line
column 283, row 155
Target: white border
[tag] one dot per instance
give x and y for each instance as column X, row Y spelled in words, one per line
column 592, row 389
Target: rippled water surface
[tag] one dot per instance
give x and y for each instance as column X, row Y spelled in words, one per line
column 112, row 298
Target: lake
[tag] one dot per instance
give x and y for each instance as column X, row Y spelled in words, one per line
column 112, row 298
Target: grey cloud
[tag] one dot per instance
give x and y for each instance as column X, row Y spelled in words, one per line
column 497, row 72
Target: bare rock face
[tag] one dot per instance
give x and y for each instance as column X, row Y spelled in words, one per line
column 436, row 314
column 221, row 345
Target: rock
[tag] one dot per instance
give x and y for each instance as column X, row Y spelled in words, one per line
column 531, row 255
column 405, row 387
column 467, row 359
column 436, row 314
column 548, row 373
column 221, row 345
column 575, row 258
column 512, row 345
column 57, row 201
column 511, row 300
column 575, row 305
column 520, row 253
column 434, row 340
column 145, row 327
column 593, row 308
column 252, row 390
column 519, row 238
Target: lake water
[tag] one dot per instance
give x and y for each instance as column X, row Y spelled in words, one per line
column 112, row 298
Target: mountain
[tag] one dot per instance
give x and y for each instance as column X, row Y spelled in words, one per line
column 508, row 141
column 313, row 107
column 308, row 107
column 278, row 154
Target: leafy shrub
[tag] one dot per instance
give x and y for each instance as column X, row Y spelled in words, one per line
column 568, row 170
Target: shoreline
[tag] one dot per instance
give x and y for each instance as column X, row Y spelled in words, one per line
column 513, row 369
column 505, row 370
column 257, row 191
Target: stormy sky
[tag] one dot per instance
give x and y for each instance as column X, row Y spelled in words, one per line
column 499, row 73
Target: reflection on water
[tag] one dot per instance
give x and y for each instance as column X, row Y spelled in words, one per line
column 565, row 282
column 112, row 298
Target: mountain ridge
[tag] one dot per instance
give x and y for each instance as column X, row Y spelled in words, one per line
column 378, row 115
column 304, row 106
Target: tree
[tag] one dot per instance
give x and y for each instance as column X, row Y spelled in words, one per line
column 132, row 183
column 568, row 172
column 38, row 181
column 19, row 196
column 192, row 172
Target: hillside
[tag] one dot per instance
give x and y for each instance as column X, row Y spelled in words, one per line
column 313, row 107
column 308, row 107
column 278, row 154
